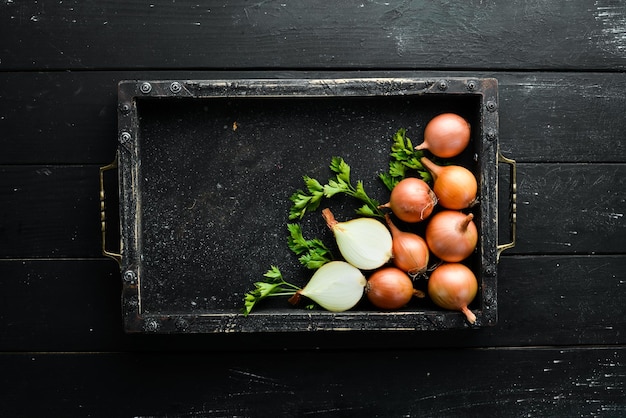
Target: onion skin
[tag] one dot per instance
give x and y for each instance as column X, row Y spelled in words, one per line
column 452, row 236
column 446, row 135
column 453, row 286
column 389, row 288
column 411, row 200
column 454, row 186
column 410, row 251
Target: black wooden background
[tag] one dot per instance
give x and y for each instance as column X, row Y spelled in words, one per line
column 559, row 347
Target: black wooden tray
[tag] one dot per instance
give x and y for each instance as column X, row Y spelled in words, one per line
column 206, row 169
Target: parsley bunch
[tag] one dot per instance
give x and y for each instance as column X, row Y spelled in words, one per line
column 309, row 200
column 404, row 157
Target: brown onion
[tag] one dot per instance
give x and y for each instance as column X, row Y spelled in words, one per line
column 453, row 286
column 410, row 252
column 389, row 288
column 454, row 186
column 451, row 235
column 411, row 200
column 446, row 135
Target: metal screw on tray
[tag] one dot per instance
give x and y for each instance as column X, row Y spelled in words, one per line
column 491, row 135
column 175, row 87
column 125, row 108
column 145, row 87
column 471, row 85
column 443, row 85
column 124, row 137
column 491, row 106
column 181, row 324
column 129, row 277
column 151, row 325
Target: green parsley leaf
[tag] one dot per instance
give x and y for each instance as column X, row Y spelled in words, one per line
column 388, row 180
column 339, row 166
column 313, row 185
column 404, row 157
column 313, row 253
column 274, row 274
column 366, row 210
column 333, row 187
column 273, row 285
column 313, row 260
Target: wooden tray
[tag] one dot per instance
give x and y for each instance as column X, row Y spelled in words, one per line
column 206, row 169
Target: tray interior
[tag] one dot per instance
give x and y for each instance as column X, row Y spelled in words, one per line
column 215, row 176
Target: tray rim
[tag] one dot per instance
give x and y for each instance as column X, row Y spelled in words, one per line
column 135, row 320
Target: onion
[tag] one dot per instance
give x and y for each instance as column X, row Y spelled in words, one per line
column 446, row 135
column 411, row 200
column 451, row 235
column 363, row 242
column 453, row 286
column 410, row 252
column 336, row 286
column 454, row 186
column 389, row 288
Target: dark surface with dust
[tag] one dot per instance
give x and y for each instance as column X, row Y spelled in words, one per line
column 216, row 176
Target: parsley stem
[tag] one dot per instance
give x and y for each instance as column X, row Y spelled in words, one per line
column 293, row 286
column 290, row 293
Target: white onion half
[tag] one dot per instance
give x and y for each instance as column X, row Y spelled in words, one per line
column 363, row 242
column 336, row 286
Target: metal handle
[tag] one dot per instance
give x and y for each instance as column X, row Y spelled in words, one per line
column 115, row 256
column 513, row 207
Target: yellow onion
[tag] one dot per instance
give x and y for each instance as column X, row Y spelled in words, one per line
column 446, row 135
column 389, row 288
column 410, row 252
column 452, row 235
column 453, row 286
column 411, row 200
column 363, row 242
column 454, row 186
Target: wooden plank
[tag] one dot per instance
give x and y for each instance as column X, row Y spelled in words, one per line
column 54, row 211
column 562, row 117
column 500, row 35
column 71, row 117
column 492, row 382
column 60, row 305
column 58, row 118
column 49, row 211
column 565, row 208
column 564, row 298
column 74, row 305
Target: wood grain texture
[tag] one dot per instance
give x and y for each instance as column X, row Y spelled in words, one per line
column 558, row 349
column 49, row 211
column 542, row 301
column 513, row 382
column 161, row 34
column 562, row 117
column 564, row 208
column 71, row 117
